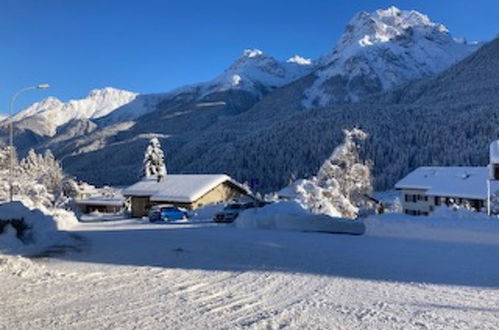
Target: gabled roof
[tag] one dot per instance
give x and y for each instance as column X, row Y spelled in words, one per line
column 183, row 188
column 463, row 182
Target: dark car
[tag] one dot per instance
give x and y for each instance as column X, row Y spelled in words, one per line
column 231, row 211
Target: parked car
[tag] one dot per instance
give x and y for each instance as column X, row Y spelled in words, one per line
column 166, row 213
column 231, row 211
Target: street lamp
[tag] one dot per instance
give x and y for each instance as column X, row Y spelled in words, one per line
column 11, row 134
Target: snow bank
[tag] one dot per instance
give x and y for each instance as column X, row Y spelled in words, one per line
column 443, row 225
column 64, row 219
column 289, row 215
column 41, row 232
column 206, row 212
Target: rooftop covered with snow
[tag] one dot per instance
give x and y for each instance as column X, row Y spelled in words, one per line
column 183, row 188
column 463, row 182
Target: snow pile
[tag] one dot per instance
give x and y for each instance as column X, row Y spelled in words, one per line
column 442, row 225
column 22, row 267
column 289, row 215
column 40, row 232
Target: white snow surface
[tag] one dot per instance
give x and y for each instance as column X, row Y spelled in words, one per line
column 445, row 224
column 177, row 187
column 98, row 103
column 389, row 47
column 464, row 182
column 132, row 275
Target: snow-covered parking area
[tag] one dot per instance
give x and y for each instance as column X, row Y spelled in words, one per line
column 131, row 275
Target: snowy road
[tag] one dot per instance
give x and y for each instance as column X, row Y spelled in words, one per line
column 142, row 276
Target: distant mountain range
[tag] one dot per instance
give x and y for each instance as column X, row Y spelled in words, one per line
column 241, row 121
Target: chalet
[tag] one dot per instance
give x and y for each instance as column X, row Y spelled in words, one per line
column 189, row 191
column 426, row 188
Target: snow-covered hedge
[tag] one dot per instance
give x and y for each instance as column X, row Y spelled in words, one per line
column 289, row 215
column 444, row 225
column 41, row 230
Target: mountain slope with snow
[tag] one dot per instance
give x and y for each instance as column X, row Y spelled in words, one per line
column 256, row 73
column 380, row 51
column 46, row 116
column 250, row 77
column 250, row 121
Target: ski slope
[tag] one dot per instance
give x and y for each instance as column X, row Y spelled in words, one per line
column 131, row 275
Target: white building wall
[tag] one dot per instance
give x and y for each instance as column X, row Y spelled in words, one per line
column 415, row 202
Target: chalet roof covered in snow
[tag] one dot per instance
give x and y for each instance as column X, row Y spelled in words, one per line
column 463, row 182
column 184, row 188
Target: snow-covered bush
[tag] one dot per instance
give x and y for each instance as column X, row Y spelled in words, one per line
column 342, row 183
column 39, row 183
column 37, row 178
column 154, row 163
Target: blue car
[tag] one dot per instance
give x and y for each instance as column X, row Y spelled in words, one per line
column 166, row 213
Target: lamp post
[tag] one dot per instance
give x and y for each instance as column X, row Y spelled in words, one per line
column 11, row 135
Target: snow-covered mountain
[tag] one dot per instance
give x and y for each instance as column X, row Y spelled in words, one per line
column 46, row 116
column 250, row 120
column 256, row 73
column 248, row 79
column 380, row 51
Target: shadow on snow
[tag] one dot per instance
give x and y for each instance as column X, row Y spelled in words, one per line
column 226, row 248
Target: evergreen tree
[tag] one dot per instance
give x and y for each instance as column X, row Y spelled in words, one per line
column 154, row 164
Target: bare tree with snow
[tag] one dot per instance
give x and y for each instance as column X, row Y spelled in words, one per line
column 342, row 183
column 37, row 179
column 154, row 164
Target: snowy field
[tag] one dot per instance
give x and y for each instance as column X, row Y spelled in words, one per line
column 131, row 275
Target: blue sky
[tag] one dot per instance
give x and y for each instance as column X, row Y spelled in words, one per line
column 153, row 46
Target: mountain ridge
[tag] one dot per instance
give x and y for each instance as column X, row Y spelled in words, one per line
column 223, row 125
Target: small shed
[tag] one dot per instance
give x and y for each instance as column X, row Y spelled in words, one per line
column 189, row 191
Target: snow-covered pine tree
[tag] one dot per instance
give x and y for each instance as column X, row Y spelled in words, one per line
column 342, row 182
column 154, row 164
